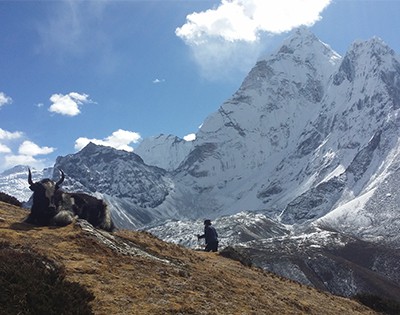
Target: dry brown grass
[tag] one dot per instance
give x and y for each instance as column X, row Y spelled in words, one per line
column 190, row 283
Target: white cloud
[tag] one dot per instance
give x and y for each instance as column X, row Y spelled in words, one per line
column 4, row 149
column 26, row 152
column 32, row 149
column 221, row 37
column 224, row 60
column 120, row 140
column 7, row 135
column 13, row 160
column 68, row 104
column 243, row 20
column 4, row 99
column 190, row 137
column 155, row 81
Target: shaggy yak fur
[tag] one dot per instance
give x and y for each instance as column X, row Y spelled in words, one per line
column 52, row 206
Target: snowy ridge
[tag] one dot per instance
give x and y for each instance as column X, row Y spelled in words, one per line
column 164, row 151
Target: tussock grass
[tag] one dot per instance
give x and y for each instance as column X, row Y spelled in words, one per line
column 33, row 284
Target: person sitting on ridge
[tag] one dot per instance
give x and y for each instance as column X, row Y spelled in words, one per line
column 211, row 237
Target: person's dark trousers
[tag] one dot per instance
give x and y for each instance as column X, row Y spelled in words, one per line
column 212, row 247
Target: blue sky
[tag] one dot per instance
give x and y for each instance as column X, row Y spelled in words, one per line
column 115, row 72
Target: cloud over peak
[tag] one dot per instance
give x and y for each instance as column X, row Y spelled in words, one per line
column 120, row 140
column 244, row 20
column 230, row 35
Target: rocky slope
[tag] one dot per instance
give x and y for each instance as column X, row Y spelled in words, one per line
column 132, row 188
column 135, row 273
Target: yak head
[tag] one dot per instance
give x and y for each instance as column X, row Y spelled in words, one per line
column 44, row 201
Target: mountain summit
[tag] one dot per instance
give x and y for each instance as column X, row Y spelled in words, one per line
column 239, row 148
column 307, row 134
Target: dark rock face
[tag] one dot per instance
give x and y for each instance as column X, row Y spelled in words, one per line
column 362, row 160
column 117, row 173
column 331, row 262
column 314, row 203
column 131, row 187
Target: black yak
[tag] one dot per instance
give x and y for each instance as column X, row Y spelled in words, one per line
column 52, row 206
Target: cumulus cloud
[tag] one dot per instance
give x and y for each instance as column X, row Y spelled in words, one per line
column 68, row 104
column 190, row 137
column 27, row 150
column 224, row 32
column 243, row 20
column 8, row 135
column 4, row 149
column 4, row 99
column 32, row 149
column 120, row 140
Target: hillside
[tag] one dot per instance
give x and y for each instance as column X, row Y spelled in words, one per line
column 135, row 273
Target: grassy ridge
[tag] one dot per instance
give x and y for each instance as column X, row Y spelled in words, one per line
column 136, row 273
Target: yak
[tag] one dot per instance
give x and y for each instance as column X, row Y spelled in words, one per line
column 52, row 206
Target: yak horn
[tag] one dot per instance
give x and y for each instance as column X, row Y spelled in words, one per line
column 61, row 179
column 30, row 182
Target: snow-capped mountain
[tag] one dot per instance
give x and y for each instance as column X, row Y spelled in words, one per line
column 132, row 188
column 165, row 151
column 15, row 181
column 239, row 148
column 308, row 133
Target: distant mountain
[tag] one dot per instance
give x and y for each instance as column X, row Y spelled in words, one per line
column 165, row 151
column 133, row 189
column 307, row 146
column 15, row 181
